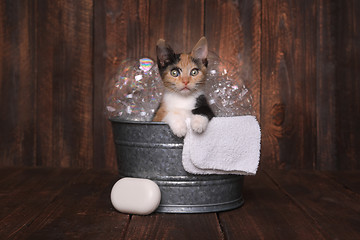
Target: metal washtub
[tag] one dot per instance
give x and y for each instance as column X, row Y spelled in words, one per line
column 150, row 150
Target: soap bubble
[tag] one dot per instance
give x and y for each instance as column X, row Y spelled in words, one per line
column 135, row 92
column 225, row 89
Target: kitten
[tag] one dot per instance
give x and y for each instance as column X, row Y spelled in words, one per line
column 184, row 79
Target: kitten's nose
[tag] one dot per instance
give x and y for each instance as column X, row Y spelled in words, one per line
column 186, row 81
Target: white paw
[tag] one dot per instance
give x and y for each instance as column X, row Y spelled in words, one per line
column 199, row 123
column 178, row 127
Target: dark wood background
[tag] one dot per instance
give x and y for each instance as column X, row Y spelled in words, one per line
column 301, row 60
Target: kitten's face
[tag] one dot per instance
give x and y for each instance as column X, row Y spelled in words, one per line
column 183, row 73
column 184, row 76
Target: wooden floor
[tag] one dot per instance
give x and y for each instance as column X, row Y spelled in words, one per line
column 38, row 203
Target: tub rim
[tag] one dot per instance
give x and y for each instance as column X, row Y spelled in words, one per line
column 119, row 120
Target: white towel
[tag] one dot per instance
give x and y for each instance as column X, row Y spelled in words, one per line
column 229, row 145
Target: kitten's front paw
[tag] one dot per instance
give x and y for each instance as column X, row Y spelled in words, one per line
column 179, row 128
column 199, row 123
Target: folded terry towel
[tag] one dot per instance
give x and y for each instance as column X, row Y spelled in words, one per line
column 229, row 145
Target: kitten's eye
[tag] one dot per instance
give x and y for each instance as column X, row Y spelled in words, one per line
column 174, row 73
column 194, row 72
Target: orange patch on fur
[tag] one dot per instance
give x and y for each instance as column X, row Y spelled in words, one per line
column 160, row 114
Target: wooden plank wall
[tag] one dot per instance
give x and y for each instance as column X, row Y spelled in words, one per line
column 300, row 60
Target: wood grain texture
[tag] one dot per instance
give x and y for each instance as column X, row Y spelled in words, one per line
column 174, row 226
column 347, row 53
column 288, row 84
column 233, row 29
column 180, row 23
column 348, row 179
column 58, row 215
column 64, row 83
column 92, row 215
column 17, row 85
column 326, row 202
column 265, row 206
column 34, row 184
column 15, row 186
column 326, row 86
column 8, row 172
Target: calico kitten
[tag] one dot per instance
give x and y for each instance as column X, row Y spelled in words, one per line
column 184, row 79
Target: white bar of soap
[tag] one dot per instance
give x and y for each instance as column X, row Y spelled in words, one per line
column 135, row 196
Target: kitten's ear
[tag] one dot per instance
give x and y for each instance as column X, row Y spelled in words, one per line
column 165, row 54
column 200, row 51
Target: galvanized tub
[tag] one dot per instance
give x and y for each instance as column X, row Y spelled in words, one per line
column 150, row 150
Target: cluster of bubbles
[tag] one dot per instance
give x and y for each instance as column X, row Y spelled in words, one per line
column 136, row 90
column 225, row 89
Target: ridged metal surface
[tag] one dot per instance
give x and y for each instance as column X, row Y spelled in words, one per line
column 150, row 150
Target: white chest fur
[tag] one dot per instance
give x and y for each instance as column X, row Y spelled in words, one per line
column 176, row 102
column 179, row 109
